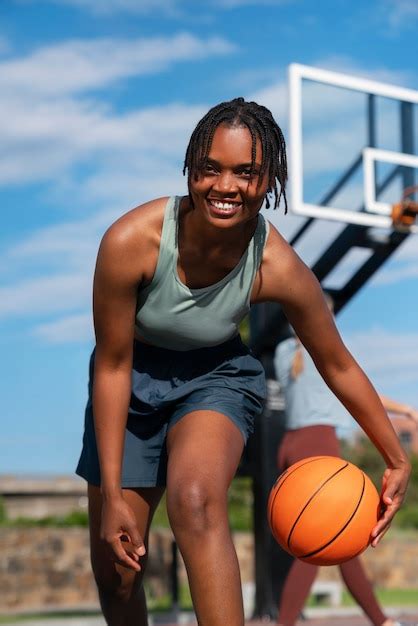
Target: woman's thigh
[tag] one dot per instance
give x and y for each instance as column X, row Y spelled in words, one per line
column 204, row 449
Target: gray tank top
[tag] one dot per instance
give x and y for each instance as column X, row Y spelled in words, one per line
column 171, row 315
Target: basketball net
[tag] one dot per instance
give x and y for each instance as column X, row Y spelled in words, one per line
column 404, row 213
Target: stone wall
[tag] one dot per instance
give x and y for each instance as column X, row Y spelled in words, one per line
column 43, row 568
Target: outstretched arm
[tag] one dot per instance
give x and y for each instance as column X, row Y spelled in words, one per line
column 284, row 278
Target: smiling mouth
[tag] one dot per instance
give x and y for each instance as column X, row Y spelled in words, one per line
column 223, row 207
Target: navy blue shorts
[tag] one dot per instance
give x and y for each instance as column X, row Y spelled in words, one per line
column 166, row 385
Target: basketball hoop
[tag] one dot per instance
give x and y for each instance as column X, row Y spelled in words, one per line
column 404, row 213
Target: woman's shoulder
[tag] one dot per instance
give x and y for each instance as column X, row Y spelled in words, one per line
column 279, row 255
column 131, row 244
column 282, row 273
column 140, row 226
column 145, row 217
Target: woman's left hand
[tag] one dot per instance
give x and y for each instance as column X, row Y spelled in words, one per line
column 394, row 484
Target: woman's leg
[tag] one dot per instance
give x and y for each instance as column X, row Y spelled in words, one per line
column 295, row 591
column 120, row 589
column 204, row 449
column 361, row 589
column 296, row 445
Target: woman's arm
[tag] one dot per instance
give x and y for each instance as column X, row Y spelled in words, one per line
column 116, row 282
column 287, row 280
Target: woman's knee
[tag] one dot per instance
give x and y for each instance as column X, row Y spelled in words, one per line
column 196, row 506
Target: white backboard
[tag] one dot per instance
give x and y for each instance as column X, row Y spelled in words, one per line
column 372, row 211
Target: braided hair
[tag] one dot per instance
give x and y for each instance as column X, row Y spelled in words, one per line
column 261, row 124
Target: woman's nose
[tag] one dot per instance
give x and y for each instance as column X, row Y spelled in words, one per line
column 225, row 182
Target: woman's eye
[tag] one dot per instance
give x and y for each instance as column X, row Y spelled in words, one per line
column 248, row 173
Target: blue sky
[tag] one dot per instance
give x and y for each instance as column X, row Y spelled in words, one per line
column 97, row 100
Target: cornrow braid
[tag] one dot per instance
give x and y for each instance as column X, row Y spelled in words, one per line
column 261, row 124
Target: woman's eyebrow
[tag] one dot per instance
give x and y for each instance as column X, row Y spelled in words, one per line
column 240, row 165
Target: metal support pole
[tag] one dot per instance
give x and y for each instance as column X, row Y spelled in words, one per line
column 174, row 580
column 407, row 141
column 271, row 562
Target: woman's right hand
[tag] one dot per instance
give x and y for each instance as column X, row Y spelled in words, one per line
column 120, row 533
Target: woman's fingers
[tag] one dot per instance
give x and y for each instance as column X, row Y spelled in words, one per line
column 124, row 557
column 394, row 483
column 136, row 544
column 121, row 535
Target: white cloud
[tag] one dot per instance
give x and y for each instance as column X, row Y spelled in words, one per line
column 401, row 13
column 83, row 65
column 44, row 139
column 232, row 4
column 275, row 97
column 56, row 136
column 402, row 266
column 389, row 359
column 47, row 294
column 130, row 187
column 394, row 275
column 73, row 243
column 408, row 251
column 70, row 329
column 108, row 8
column 166, row 8
column 5, row 45
column 45, row 136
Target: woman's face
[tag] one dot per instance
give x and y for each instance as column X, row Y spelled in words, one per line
column 227, row 190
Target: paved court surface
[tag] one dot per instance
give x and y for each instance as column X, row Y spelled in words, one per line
column 314, row 617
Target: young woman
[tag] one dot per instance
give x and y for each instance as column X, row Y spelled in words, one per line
column 175, row 392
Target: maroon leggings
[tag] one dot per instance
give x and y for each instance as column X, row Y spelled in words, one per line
column 296, row 445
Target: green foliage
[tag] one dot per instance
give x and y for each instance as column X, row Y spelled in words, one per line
column 240, row 504
column 364, row 455
column 3, row 514
column 240, row 507
column 162, row 603
column 75, row 518
column 386, row 597
column 240, row 496
column 160, row 516
column 412, row 494
column 407, row 517
column 244, row 329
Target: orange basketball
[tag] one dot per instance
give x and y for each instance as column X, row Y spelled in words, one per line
column 323, row 509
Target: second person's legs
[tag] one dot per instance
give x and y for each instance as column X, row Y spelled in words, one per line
column 296, row 445
column 361, row 589
column 296, row 591
column 299, row 444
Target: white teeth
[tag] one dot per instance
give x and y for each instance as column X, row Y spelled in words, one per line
column 224, row 206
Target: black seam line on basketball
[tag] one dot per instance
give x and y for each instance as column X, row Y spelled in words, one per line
column 304, row 556
column 289, row 537
column 285, row 475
